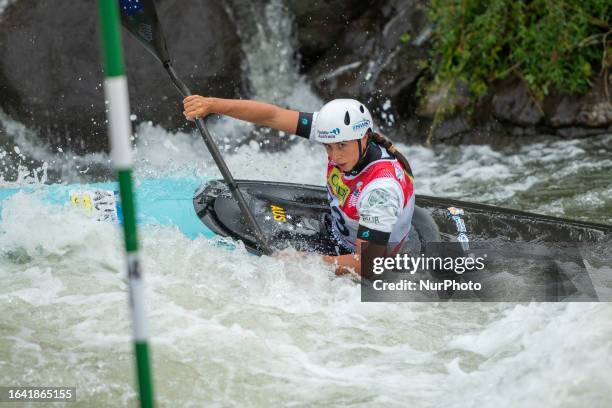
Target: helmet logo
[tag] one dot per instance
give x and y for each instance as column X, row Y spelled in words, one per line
column 328, row 134
column 361, row 124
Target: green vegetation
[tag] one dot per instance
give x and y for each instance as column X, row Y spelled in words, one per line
column 549, row 44
column 405, row 38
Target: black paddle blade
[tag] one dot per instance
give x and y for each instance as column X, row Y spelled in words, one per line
column 139, row 17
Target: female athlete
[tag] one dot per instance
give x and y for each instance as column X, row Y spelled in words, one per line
column 369, row 183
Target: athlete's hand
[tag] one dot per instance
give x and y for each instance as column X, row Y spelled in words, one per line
column 197, row 106
column 290, row 254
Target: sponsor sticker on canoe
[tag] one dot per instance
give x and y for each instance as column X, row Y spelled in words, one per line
column 278, row 213
column 459, row 223
column 465, row 241
column 455, row 211
column 101, row 204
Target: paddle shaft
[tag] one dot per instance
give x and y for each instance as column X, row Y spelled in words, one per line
column 227, row 175
column 141, row 20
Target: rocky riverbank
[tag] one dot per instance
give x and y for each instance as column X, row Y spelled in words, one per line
column 376, row 51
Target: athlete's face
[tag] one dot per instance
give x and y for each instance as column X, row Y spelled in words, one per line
column 345, row 154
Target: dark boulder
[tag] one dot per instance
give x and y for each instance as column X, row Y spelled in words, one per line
column 568, row 116
column 591, row 110
column 512, row 103
column 380, row 55
column 320, row 22
column 509, row 109
column 50, row 72
column 378, row 59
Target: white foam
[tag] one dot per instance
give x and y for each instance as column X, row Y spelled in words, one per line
column 35, row 158
column 231, row 329
column 562, row 349
column 160, row 153
column 232, row 317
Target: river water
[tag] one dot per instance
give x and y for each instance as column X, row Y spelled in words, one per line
column 230, row 329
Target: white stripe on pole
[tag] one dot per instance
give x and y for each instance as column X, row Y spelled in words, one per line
column 116, row 91
column 137, row 298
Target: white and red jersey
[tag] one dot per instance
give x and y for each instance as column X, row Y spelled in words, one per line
column 380, row 198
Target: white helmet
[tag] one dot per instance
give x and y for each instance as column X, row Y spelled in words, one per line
column 341, row 120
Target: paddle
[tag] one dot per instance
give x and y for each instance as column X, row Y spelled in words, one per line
column 140, row 19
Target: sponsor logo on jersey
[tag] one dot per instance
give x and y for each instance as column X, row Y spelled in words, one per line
column 378, row 197
column 355, row 194
column 337, row 186
column 370, row 219
column 358, row 188
column 399, row 172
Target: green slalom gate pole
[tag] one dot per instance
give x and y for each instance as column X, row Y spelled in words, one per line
column 119, row 125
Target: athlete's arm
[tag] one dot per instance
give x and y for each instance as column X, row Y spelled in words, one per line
column 378, row 207
column 260, row 113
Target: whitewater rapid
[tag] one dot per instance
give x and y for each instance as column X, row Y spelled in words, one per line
column 231, row 329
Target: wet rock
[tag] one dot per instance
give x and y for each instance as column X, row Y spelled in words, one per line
column 452, row 127
column 521, row 131
column 380, row 56
column 51, row 79
column 564, row 112
column 575, row 132
column 319, row 23
column 512, row 103
column 594, row 109
column 378, row 59
column 577, row 116
column 596, row 115
column 447, row 97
